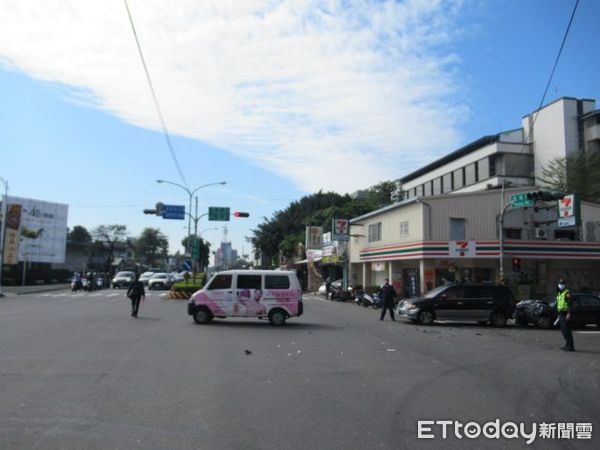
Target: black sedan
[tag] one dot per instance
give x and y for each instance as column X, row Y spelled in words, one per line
column 542, row 313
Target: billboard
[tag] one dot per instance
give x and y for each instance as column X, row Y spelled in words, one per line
column 314, row 238
column 42, row 233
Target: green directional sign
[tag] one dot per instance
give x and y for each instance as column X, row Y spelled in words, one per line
column 195, row 244
column 218, row 213
column 520, row 200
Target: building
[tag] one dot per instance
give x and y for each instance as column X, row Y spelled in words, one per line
column 511, row 158
column 432, row 237
column 225, row 255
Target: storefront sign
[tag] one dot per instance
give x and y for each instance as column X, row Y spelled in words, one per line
column 378, row 267
column 462, row 249
column 11, row 238
column 314, row 238
column 569, row 211
column 340, row 229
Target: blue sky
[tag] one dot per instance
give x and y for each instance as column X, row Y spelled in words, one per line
column 278, row 98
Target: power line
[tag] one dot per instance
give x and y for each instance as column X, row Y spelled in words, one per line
column 553, row 68
column 162, row 120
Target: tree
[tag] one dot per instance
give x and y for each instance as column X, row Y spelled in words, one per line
column 575, row 174
column 152, row 246
column 80, row 235
column 107, row 236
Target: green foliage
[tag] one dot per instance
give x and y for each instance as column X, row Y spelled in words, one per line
column 283, row 231
column 80, row 235
column 152, row 246
column 576, row 174
column 203, row 258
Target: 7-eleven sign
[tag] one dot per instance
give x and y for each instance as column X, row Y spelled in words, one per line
column 461, row 249
column 340, row 229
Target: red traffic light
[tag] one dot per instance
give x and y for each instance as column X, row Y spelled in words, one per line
column 241, row 214
column 516, row 264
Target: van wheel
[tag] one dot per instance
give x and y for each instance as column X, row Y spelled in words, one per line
column 425, row 317
column 277, row 317
column 202, row 315
column 498, row 319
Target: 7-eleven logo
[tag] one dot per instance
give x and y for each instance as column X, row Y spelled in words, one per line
column 460, row 249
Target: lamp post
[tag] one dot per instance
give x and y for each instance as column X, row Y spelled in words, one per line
column 3, row 228
column 191, row 193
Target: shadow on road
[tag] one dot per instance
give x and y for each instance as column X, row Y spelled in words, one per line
column 265, row 325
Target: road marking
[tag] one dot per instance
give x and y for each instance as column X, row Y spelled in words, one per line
column 587, row 332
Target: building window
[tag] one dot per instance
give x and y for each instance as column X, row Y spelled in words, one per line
column 459, row 178
column 483, row 169
column 493, row 162
column 447, row 183
column 404, row 228
column 470, row 174
column 437, row 186
column 419, row 190
column 375, row 232
column 427, row 189
column 513, row 233
column 457, row 229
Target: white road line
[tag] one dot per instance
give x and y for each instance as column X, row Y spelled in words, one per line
column 587, row 332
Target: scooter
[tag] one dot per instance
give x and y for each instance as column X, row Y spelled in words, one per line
column 75, row 285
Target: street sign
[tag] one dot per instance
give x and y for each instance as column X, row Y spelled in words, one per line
column 187, row 264
column 176, row 212
column 195, row 244
column 218, row 213
column 520, row 201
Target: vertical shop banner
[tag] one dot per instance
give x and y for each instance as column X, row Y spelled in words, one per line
column 11, row 235
column 340, row 230
column 314, row 238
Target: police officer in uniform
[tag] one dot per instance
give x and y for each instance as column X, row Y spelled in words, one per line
column 388, row 293
column 563, row 308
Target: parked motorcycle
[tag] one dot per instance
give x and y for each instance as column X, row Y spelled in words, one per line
column 75, row 285
column 341, row 295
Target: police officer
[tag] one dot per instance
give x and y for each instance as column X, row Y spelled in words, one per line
column 563, row 308
column 387, row 296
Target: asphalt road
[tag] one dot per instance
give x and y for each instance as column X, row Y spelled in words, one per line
column 77, row 372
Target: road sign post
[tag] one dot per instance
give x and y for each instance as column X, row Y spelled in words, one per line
column 520, row 200
column 218, row 213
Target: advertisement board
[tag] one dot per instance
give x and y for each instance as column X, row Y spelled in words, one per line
column 314, row 238
column 43, row 230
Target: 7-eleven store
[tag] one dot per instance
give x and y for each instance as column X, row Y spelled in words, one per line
column 416, row 266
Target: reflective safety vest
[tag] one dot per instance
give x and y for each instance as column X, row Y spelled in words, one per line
column 561, row 301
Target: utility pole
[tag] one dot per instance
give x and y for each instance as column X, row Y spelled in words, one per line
column 3, row 228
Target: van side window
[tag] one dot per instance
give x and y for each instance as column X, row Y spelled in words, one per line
column 476, row 292
column 220, row 282
column 249, row 282
column 277, row 282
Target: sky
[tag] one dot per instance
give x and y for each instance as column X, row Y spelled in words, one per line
column 280, row 99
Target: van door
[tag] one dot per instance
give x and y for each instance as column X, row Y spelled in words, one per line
column 478, row 303
column 220, row 295
column 279, row 291
column 248, row 295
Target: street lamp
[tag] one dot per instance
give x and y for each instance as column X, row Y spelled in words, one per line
column 3, row 228
column 191, row 193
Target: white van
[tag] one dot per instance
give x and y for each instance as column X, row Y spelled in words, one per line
column 275, row 294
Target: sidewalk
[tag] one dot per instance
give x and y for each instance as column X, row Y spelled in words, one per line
column 11, row 291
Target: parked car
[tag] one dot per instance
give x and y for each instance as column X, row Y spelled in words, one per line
column 123, row 279
column 542, row 313
column 160, row 280
column 145, row 277
column 481, row 303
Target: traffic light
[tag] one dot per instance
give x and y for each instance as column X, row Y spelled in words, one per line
column 545, row 196
column 241, row 214
column 516, row 264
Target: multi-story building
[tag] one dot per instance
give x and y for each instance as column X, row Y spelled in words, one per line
column 225, row 255
column 432, row 237
column 511, row 158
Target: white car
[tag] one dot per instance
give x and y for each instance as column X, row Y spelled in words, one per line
column 145, row 277
column 123, row 279
column 160, row 280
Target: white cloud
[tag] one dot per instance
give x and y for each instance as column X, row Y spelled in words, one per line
column 365, row 87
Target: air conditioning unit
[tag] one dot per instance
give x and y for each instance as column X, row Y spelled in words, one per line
column 540, row 233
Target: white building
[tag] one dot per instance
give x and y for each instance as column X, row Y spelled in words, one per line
column 515, row 157
column 431, row 237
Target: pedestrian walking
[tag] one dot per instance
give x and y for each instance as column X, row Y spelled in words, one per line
column 388, row 293
column 136, row 293
column 563, row 308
